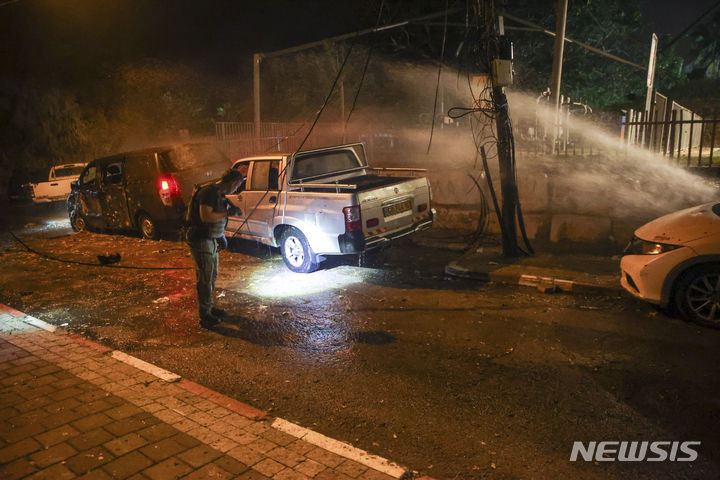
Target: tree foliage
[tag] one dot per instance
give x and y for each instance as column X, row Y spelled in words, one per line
column 705, row 50
column 614, row 26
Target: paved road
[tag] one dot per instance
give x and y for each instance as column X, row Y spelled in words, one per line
column 454, row 379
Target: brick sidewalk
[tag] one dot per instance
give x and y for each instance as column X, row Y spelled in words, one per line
column 69, row 409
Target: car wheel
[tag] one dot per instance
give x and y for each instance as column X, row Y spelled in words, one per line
column 296, row 251
column 697, row 295
column 148, row 229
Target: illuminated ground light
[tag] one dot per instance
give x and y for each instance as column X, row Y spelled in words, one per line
column 46, row 226
column 284, row 283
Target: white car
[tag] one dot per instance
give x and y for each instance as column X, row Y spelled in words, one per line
column 675, row 261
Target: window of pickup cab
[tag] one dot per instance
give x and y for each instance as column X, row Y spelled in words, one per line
column 323, row 163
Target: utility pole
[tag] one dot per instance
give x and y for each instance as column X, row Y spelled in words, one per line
column 500, row 57
column 557, row 67
column 257, row 58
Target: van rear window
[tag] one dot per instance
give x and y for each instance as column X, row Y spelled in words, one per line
column 185, row 157
column 140, row 167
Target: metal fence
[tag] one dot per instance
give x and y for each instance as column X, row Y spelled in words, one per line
column 683, row 134
column 239, row 138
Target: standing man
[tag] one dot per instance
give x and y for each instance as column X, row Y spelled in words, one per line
column 208, row 216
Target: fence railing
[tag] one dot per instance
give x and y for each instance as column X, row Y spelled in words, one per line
column 239, row 138
column 685, row 135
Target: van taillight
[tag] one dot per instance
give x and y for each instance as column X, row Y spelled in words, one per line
column 168, row 188
column 422, row 207
column 353, row 222
column 373, row 222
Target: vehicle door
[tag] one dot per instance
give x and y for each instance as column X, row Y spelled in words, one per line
column 54, row 187
column 261, row 196
column 89, row 196
column 237, row 223
column 113, row 200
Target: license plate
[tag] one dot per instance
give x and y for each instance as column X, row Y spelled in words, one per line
column 397, row 208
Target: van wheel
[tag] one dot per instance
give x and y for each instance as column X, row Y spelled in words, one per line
column 697, row 295
column 296, row 251
column 77, row 222
column 148, row 229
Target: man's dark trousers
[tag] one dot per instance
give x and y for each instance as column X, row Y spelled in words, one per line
column 205, row 254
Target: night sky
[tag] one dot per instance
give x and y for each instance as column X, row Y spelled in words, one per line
column 70, row 42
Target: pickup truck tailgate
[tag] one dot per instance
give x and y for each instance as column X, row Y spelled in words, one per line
column 394, row 207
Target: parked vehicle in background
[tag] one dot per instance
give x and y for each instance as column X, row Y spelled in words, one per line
column 58, row 185
column 19, row 188
column 326, row 202
column 144, row 190
column 675, row 261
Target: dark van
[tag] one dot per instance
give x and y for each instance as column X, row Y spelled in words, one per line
column 144, row 190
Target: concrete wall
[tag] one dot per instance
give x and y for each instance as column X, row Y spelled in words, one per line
column 559, row 204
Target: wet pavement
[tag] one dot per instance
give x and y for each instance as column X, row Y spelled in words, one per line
column 455, row 378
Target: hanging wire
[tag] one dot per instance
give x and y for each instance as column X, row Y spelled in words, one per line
column 365, row 67
column 437, row 85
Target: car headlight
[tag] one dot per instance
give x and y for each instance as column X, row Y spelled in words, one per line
column 638, row 246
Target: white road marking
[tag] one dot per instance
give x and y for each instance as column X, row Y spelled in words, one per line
column 339, row 448
column 146, row 367
column 36, row 322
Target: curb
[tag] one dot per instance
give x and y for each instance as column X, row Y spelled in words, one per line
column 340, row 448
column 222, row 400
column 161, row 373
column 543, row 284
column 337, row 447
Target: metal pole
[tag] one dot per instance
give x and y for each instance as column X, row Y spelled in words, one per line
column 257, row 58
column 712, row 137
column 557, row 63
column 650, row 81
column 505, row 147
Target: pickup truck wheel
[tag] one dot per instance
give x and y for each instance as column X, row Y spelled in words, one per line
column 296, row 251
column 148, row 229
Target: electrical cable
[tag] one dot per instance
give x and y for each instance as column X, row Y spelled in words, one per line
column 437, row 85
column 365, row 67
column 77, row 262
column 357, row 92
column 317, row 117
column 327, row 99
column 520, row 218
column 490, row 184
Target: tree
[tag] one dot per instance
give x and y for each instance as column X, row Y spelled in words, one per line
column 704, row 56
column 615, row 26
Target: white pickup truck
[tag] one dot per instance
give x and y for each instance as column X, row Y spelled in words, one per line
column 58, row 185
column 326, row 202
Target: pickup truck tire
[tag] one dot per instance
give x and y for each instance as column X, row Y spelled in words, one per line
column 147, row 226
column 296, row 251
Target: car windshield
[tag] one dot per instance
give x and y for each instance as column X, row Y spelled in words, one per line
column 716, row 209
column 68, row 171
